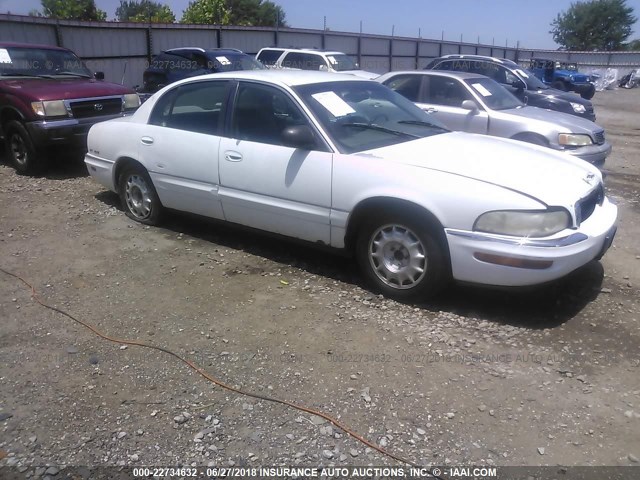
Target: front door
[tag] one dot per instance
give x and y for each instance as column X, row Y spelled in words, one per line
column 266, row 184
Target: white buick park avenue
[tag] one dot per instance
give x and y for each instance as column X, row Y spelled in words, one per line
column 348, row 163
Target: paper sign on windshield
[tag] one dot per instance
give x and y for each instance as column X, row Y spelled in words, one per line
column 332, row 102
column 4, row 56
column 483, row 91
column 223, row 60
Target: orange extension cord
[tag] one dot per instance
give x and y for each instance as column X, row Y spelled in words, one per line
column 214, row 380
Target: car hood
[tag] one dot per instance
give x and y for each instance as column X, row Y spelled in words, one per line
column 563, row 122
column 63, row 89
column 362, row 74
column 567, row 96
column 551, row 177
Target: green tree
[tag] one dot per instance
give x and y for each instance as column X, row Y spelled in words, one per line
column 257, row 13
column 144, row 11
column 633, row 45
column 208, row 12
column 234, row 12
column 72, row 10
column 594, row 25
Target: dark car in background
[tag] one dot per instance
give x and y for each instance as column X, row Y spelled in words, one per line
column 179, row 63
column 519, row 81
column 48, row 99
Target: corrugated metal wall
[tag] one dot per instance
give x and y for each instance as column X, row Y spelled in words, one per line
column 123, row 50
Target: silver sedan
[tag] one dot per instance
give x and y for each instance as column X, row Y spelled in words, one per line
column 477, row 104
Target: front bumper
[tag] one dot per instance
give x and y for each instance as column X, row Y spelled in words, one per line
column 595, row 154
column 68, row 132
column 541, row 259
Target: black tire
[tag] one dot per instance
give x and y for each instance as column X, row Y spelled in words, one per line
column 588, row 92
column 558, row 85
column 138, row 196
column 386, row 274
column 21, row 151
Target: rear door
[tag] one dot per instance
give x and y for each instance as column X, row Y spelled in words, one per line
column 269, row 185
column 180, row 145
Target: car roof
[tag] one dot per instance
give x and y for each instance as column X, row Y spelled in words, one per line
column 435, row 73
column 304, row 50
column 479, row 57
column 204, row 50
column 290, row 78
column 35, row 46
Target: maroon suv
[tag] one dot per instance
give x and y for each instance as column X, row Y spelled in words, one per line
column 49, row 98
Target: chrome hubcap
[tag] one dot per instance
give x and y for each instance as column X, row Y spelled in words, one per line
column 138, row 197
column 397, row 256
column 18, row 149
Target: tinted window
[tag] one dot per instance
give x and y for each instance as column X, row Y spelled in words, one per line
column 261, row 113
column 494, row 95
column 406, row 85
column 269, row 57
column 227, row 62
column 195, row 107
column 445, row 91
column 183, row 63
column 41, row 61
column 303, row 61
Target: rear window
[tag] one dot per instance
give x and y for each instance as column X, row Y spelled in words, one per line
column 269, row 57
column 303, row 61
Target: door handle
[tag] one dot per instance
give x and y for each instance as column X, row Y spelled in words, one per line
column 232, row 156
column 430, row 110
column 147, row 140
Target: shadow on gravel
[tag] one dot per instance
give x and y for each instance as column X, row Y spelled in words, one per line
column 539, row 307
column 60, row 165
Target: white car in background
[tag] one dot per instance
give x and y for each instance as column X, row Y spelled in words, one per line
column 311, row 59
column 350, row 164
column 474, row 103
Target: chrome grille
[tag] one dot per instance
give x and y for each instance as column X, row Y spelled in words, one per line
column 96, row 107
column 599, row 137
column 586, row 206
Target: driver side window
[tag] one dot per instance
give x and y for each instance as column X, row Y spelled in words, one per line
column 261, row 113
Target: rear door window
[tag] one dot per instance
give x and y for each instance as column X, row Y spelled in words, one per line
column 269, row 57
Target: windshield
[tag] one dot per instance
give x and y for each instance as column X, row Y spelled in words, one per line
column 361, row 115
column 40, row 62
column 494, row 95
column 533, row 82
column 341, row 62
column 228, row 63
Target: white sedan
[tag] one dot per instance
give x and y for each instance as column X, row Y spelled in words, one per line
column 348, row 163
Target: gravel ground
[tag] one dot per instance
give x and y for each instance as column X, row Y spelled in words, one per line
column 484, row 377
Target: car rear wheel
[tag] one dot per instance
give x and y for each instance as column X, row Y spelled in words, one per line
column 138, row 196
column 21, row 151
column 401, row 256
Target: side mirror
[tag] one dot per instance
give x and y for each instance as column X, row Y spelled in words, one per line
column 518, row 85
column 469, row 105
column 299, row 136
column 99, row 75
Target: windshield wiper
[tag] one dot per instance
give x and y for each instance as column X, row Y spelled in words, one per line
column 83, row 75
column 379, row 128
column 423, row 123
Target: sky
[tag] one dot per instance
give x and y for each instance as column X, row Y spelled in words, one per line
column 493, row 21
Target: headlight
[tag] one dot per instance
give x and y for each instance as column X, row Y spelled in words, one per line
column 578, row 107
column 523, row 224
column 574, row 139
column 131, row 100
column 52, row 108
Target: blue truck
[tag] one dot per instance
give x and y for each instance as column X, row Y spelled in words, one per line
column 563, row 76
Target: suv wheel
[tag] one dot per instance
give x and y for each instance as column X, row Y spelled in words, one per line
column 558, row 85
column 20, row 149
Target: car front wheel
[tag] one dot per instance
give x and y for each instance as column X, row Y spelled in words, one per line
column 401, row 256
column 21, row 151
column 138, row 196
